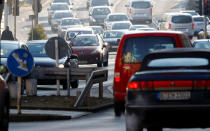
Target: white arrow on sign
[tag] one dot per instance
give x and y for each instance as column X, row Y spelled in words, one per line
column 22, row 64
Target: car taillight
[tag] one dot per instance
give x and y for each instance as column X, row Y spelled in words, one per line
column 150, row 10
column 146, row 84
column 130, row 10
column 169, row 26
column 133, row 85
column 116, row 77
column 193, row 26
column 200, row 83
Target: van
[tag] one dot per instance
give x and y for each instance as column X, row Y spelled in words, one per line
column 131, row 51
column 139, row 11
column 177, row 22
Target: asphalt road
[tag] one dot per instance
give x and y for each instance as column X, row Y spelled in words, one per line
column 104, row 120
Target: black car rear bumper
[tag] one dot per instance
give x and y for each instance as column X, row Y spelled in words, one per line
column 149, row 110
column 179, row 116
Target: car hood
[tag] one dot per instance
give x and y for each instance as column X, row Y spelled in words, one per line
column 79, row 50
column 99, row 16
column 47, row 62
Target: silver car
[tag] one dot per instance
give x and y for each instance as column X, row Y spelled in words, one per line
column 199, row 23
column 98, row 14
column 140, row 11
column 177, row 22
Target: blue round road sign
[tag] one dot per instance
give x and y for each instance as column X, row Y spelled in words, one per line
column 20, row 62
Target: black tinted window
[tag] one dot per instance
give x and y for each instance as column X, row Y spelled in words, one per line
column 136, row 48
column 59, row 7
column 140, row 4
column 101, row 11
column 181, row 19
column 37, row 49
column 118, row 18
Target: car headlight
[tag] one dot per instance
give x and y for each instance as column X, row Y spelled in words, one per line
column 61, row 66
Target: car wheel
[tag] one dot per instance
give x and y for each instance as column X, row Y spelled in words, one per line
column 75, row 84
column 5, row 117
column 154, row 129
column 119, row 108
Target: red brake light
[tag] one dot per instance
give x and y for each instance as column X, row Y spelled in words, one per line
column 130, row 10
column 133, row 85
column 146, row 84
column 193, row 26
column 150, row 10
column 169, row 26
column 116, row 77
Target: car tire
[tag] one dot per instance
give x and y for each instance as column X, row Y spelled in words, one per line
column 5, row 118
column 154, row 129
column 74, row 84
column 119, row 108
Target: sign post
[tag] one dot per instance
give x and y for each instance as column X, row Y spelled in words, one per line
column 57, row 64
column 20, row 63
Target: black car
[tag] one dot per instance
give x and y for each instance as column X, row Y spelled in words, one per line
column 37, row 49
column 171, row 89
column 112, row 37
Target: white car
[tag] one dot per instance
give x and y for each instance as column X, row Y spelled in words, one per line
column 114, row 17
column 199, row 23
column 70, row 33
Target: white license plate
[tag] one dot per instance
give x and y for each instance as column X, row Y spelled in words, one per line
column 140, row 15
column 182, row 30
column 184, row 95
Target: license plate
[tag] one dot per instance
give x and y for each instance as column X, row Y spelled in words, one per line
column 185, row 95
column 114, row 46
column 182, row 30
column 140, row 15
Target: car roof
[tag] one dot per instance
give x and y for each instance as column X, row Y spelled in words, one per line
column 10, row 41
column 62, row 11
column 37, row 41
column 80, row 29
column 87, row 35
column 178, row 13
column 140, row 0
column 62, row 3
column 123, row 31
column 72, row 18
column 117, row 14
column 131, row 33
column 202, row 40
column 119, row 22
column 101, row 7
column 187, row 11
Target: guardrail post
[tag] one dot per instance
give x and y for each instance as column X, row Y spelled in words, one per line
column 100, row 90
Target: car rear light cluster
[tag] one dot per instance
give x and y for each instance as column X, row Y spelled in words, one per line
column 117, row 77
column 193, row 26
column 130, row 10
column 142, row 84
column 151, row 11
column 169, row 26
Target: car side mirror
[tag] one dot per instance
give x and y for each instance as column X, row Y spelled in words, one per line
column 74, row 56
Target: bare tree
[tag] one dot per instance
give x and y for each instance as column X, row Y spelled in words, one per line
column 1, row 12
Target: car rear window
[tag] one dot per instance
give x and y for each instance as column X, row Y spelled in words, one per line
column 199, row 19
column 100, row 3
column 136, row 48
column 118, row 18
column 6, row 49
column 101, row 11
column 182, row 19
column 120, row 26
column 140, row 4
column 178, row 62
column 59, row 7
column 37, row 49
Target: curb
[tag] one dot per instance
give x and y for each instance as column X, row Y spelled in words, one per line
column 51, row 117
column 36, row 117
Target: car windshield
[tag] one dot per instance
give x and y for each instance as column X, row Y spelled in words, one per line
column 121, row 26
column 86, row 41
column 202, row 44
column 37, row 49
column 71, row 34
column 100, row 2
column 182, row 19
column 101, row 11
column 59, row 7
column 135, row 48
column 178, row 62
column 140, row 4
column 98, row 30
column 118, row 18
column 70, row 22
column 63, row 15
column 7, row 48
column 112, row 34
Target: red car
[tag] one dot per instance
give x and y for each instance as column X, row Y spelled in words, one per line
column 91, row 49
column 132, row 49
